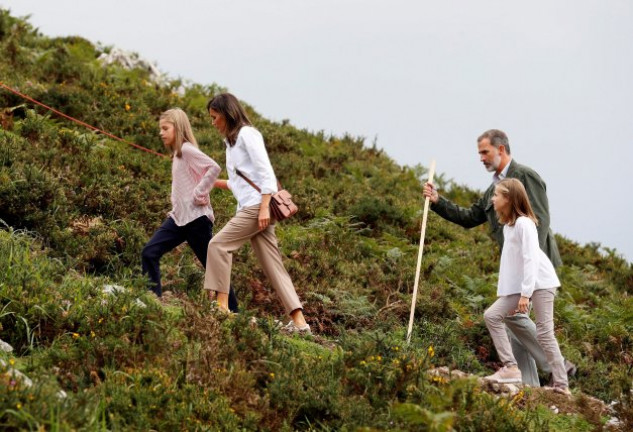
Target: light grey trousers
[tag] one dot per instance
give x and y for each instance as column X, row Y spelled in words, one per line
column 501, row 314
column 526, row 349
column 244, row 226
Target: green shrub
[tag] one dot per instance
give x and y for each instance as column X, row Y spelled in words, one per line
column 76, row 208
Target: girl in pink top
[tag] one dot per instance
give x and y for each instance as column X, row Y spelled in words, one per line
column 191, row 217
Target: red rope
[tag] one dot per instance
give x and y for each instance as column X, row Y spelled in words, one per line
column 80, row 122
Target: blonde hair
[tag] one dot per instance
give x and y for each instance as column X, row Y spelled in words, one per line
column 519, row 203
column 182, row 127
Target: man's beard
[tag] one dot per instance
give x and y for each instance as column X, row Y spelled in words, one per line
column 495, row 163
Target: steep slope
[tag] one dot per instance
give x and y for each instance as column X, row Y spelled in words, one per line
column 76, row 208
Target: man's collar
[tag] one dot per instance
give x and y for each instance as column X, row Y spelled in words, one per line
column 496, row 178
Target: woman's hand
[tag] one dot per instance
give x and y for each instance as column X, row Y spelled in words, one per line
column 264, row 218
column 524, row 304
column 221, row 184
column 264, row 212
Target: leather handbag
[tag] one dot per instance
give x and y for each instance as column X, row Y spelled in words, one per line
column 281, row 205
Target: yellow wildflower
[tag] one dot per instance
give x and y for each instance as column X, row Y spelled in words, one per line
column 439, row 379
column 431, row 351
column 127, row 107
column 75, row 335
column 517, row 397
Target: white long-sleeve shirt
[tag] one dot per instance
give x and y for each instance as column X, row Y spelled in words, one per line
column 192, row 178
column 250, row 157
column 524, row 266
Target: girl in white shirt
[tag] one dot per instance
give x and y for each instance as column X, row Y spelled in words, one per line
column 191, row 217
column 525, row 273
column 246, row 152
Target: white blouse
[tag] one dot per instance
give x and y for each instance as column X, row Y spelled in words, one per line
column 250, row 157
column 524, row 266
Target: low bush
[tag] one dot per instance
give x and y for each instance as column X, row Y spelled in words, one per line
column 103, row 353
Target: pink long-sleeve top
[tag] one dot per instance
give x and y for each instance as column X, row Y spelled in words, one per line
column 192, row 178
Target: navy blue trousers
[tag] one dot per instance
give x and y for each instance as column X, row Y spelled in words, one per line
column 197, row 234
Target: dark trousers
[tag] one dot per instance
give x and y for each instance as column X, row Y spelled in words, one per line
column 197, row 234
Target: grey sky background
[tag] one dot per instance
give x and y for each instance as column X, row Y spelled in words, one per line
column 423, row 79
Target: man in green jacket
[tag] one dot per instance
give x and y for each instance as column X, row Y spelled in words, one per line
column 494, row 153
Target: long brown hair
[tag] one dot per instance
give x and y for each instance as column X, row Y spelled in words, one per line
column 518, row 199
column 182, row 127
column 227, row 105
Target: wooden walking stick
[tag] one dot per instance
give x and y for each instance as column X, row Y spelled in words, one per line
column 417, row 270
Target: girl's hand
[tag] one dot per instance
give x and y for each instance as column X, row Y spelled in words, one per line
column 264, row 217
column 201, row 200
column 524, row 304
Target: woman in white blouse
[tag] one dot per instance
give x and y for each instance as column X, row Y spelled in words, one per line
column 246, row 153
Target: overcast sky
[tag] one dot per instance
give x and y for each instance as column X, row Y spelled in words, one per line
column 422, row 78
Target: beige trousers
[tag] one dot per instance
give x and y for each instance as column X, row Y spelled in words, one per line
column 543, row 304
column 242, row 227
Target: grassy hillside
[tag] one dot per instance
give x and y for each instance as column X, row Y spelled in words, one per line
column 76, row 208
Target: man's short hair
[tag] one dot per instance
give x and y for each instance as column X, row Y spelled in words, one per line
column 497, row 138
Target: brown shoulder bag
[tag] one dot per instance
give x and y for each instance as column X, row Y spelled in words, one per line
column 281, row 205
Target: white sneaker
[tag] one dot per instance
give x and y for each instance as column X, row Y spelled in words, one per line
column 505, row 375
column 560, row 390
column 291, row 328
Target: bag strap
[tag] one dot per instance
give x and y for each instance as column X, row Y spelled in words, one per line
column 239, row 173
